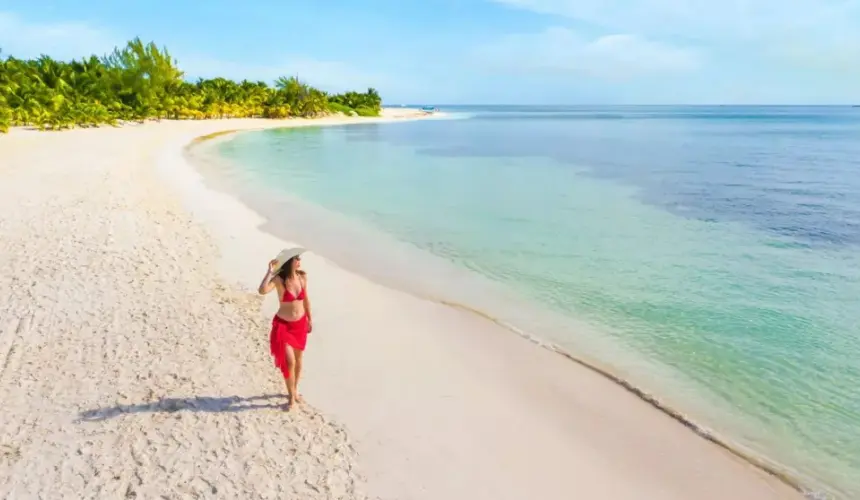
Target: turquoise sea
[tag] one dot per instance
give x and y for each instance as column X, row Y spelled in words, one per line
column 710, row 255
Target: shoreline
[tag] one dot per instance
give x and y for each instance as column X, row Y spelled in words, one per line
column 643, row 394
column 589, row 434
column 754, row 460
column 648, row 397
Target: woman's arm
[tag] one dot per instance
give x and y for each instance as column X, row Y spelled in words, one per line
column 307, row 303
column 268, row 283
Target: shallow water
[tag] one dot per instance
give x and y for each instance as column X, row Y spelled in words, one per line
column 709, row 253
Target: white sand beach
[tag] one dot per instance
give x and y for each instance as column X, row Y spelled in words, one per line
column 134, row 359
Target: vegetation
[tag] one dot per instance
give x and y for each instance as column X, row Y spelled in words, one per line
column 142, row 81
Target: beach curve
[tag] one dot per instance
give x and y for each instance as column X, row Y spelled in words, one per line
column 700, row 431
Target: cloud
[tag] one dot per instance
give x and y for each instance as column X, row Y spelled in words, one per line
column 61, row 40
column 704, row 19
column 564, row 51
column 837, row 56
column 70, row 39
column 817, row 35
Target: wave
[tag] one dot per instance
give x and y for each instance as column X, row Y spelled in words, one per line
column 455, row 115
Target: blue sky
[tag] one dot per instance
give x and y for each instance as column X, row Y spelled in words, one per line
column 483, row 51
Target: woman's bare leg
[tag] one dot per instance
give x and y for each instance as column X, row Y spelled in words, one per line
column 291, row 380
column 298, row 353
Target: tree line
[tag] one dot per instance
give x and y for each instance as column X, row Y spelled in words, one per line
column 142, row 81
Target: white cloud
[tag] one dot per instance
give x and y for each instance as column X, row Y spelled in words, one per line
column 704, row 19
column 561, row 50
column 798, row 34
column 837, row 55
column 60, row 40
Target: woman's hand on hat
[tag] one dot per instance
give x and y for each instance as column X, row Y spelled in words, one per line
column 273, row 265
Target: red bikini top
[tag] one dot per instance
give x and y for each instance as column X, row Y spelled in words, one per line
column 288, row 297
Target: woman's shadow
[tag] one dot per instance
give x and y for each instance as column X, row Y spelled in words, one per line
column 230, row 404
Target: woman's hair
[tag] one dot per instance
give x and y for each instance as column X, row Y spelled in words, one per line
column 284, row 271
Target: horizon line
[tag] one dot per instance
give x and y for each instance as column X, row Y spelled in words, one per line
column 808, row 105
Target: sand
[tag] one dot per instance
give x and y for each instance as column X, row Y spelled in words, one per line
column 134, row 359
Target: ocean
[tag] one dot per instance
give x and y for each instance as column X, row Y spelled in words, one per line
column 709, row 255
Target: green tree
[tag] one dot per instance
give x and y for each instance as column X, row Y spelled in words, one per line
column 142, row 81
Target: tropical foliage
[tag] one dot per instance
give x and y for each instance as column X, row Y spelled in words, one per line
column 142, row 81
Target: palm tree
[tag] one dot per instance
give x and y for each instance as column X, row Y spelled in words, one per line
column 142, row 81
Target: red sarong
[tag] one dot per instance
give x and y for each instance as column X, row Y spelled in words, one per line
column 292, row 333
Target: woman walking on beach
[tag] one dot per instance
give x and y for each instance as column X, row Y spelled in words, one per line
column 292, row 323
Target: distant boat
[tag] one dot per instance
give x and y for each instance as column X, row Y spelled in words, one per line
column 429, row 109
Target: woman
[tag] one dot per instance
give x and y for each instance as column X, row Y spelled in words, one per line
column 292, row 323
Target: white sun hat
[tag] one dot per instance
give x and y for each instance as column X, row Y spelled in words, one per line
column 287, row 254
